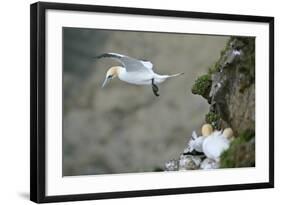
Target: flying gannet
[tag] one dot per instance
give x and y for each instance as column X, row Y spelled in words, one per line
column 134, row 71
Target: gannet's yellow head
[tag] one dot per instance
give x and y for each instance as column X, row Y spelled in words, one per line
column 228, row 133
column 207, row 130
column 111, row 73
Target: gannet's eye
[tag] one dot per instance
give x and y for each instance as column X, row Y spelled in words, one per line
column 110, row 76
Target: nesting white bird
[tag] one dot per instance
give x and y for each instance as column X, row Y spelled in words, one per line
column 216, row 143
column 196, row 142
column 134, row 71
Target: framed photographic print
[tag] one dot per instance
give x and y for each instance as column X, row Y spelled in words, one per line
column 129, row 102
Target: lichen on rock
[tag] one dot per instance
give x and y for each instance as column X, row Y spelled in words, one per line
column 172, row 165
column 189, row 162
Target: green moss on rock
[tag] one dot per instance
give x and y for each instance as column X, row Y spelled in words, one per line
column 241, row 152
column 214, row 68
column 202, row 86
column 213, row 119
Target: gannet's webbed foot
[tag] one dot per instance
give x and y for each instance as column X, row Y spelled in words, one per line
column 155, row 89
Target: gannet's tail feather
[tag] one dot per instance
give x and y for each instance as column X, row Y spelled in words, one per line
column 175, row 75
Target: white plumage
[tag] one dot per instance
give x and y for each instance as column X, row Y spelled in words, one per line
column 214, row 145
column 195, row 143
column 134, row 71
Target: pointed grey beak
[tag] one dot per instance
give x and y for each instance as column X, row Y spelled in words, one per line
column 105, row 82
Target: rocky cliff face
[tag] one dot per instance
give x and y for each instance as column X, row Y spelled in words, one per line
column 229, row 87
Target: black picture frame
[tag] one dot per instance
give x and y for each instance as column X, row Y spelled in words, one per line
column 38, row 101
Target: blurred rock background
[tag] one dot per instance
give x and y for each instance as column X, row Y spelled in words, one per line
column 124, row 128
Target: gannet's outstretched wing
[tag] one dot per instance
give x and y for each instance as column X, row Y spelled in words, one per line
column 130, row 64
